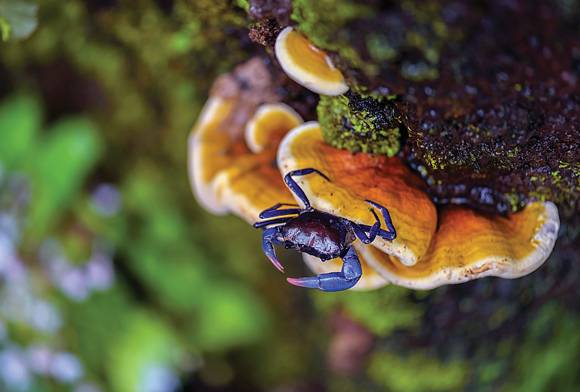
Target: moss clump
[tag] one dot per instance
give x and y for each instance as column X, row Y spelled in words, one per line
column 361, row 123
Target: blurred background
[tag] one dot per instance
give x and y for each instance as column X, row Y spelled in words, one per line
column 113, row 279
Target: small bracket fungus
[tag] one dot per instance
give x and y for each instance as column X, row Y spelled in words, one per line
column 308, row 65
column 226, row 175
column 467, row 245
column 205, row 145
column 269, row 125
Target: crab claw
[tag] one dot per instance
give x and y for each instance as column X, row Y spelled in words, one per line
column 334, row 281
column 268, row 239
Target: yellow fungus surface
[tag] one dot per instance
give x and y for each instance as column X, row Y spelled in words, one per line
column 270, row 123
column 211, row 149
column 308, row 65
column 226, row 175
column 470, row 245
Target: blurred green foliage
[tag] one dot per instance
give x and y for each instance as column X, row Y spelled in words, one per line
column 397, row 309
column 417, row 372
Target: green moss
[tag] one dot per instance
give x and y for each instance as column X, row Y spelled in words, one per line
column 361, row 123
column 417, row 372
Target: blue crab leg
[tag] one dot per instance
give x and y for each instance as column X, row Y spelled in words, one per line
column 359, row 230
column 391, row 234
column 295, row 188
column 334, row 281
column 261, row 224
column 268, row 239
column 275, row 207
column 274, row 213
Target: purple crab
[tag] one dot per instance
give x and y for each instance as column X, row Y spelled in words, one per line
column 319, row 234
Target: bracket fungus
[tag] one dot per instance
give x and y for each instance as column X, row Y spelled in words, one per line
column 307, row 65
column 232, row 160
column 432, row 249
column 226, row 174
column 245, row 141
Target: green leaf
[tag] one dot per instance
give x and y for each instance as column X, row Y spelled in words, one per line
column 58, row 168
column 20, row 120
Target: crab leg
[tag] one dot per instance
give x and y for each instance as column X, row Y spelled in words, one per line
column 295, row 188
column 276, row 207
column 269, row 237
column 261, row 224
column 391, row 234
column 334, row 281
column 274, row 213
column 359, row 230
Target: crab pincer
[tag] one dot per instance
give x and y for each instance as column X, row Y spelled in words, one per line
column 334, row 281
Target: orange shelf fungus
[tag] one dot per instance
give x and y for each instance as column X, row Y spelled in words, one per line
column 229, row 176
column 245, row 141
column 269, row 125
column 226, row 174
column 470, row 245
column 307, row 65
column 431, row 249
column 206, row 143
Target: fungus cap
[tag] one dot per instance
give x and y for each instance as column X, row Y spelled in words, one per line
column 470, row 245
column 307, row 65
column 359, row 177
column 226, row 175
column 269, row 124
column 204, row 157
